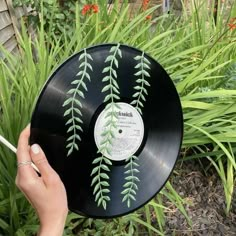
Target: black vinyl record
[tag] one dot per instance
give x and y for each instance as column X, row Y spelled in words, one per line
column 159, row 128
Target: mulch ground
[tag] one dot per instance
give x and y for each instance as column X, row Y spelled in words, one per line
column 205, row 206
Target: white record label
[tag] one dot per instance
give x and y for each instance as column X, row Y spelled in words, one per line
column 128, row 134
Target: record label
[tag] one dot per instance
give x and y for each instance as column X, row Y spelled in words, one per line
column 128, row 135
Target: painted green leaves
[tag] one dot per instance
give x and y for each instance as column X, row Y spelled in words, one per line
column 73, row 102
column 100, row 172
column 142, row 75
column 131, row 180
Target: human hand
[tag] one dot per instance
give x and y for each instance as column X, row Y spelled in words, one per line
column 46, row 193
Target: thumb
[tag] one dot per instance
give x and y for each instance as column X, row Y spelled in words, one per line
column 40, row 160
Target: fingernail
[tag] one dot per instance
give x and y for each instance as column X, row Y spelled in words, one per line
column 35, row 148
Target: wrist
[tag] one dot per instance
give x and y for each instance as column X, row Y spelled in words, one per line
column 52, row 228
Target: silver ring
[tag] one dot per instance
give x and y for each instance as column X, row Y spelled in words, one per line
column 24, row 163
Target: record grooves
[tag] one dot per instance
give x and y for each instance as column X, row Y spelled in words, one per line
column 155, row 138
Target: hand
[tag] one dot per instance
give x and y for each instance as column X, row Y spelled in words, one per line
column 46, row 193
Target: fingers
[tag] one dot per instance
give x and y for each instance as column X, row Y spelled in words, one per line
column 47, row 172
column 25, row 171
column 23, row 146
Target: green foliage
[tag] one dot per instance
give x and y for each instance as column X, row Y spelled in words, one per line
column 130, row 187
column 73, row 101
column 57, row 17
column 100, row 177
column 142, row 75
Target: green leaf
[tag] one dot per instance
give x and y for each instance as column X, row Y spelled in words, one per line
column 138, row 73
column 80, row 93
column 146, row 60
column 78, row 120
column 69, row 145
column 146, row 83
column 115, row 90
column 125, row 191
column 106, row 78
column 71, row 91
column 107, row 198
column 107, row 161
column 69, row 100
column 137, row 58
column 87, row 75
column 105, row 183
column 69, row 121
column 119, row 53
column 78, row 128
column 89, row 57
column 77, row 137
column 75, row 81
column 96, row 160
column 113, row 49
column 81, row 57
column 96, row 188
column 116, row 63
column 76, row 146
column 135, row 95
column 146, row 66
column 80, row 73
column 109, row 58
column 104, row 167
column 125, row 198
column 107, row 87
column 104, row 176
column 76, row 110
column 105, row 190
column 133, row 102
column 82, row 64
column 67, row 112
column 70, row 129
column 138, row 87
column 84, row 86
column 128, row 184
column 70, row 151
column 146, row 73
column 97, row 195
column 78, row 103
column 114, row 73
column 106, row 69
column 95, row 179
column 104, row 204
column 133, row 198
column 138, row 66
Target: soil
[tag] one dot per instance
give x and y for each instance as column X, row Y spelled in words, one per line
column 205, row 206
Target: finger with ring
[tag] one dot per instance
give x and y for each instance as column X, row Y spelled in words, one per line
column 24, row 163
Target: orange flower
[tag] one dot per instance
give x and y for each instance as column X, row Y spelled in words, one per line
column 89, row 8
column 232, row 23
column 145, row 4
column 148, row 17
column 85, row 9
column 95, row 8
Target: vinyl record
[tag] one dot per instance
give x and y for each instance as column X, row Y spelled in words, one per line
column 149, row 125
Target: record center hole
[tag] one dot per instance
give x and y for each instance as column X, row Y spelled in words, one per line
column 120, row 131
